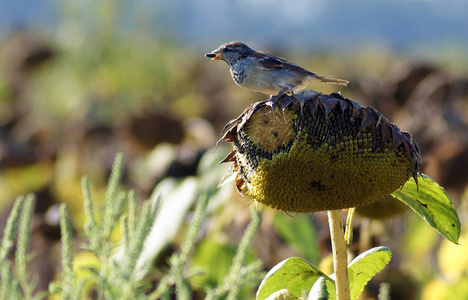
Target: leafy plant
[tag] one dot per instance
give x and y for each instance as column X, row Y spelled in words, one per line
column 19, row 284
column 295, row 278
column 116, row 276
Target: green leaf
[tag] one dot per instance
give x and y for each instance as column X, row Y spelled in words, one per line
column 364, row 267
column 360, row 271
column 432, row 204
column 294, row 274
column 321, row 290
column 283, row 294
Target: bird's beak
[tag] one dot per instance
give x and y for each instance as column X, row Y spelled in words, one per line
column 215, row 55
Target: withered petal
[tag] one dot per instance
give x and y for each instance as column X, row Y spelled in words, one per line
column 233, row 121
column 385, row 131
column 329, row 103
column 368, row 117
column 230, row 157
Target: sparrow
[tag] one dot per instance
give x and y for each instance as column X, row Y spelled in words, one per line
column 266, row 73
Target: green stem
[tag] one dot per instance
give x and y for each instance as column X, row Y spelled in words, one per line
column 340, row 255
column 349, row 228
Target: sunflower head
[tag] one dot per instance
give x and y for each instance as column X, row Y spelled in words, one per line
column 315, row 152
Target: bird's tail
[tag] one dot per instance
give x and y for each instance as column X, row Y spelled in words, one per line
column 331, row 79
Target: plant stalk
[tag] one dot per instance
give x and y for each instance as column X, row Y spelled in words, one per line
column 340, row 255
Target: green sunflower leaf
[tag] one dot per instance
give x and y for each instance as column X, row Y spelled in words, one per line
column 294, row 274
column 322, row 290
column 364, row 267
column 431, row 203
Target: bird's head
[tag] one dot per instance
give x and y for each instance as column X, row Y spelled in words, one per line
column 231, row 52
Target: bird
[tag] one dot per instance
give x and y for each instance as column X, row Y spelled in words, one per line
column 265, row 72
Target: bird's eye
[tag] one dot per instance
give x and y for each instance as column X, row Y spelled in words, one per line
column 227, row 49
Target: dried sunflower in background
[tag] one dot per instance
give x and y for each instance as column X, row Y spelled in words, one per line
column 315, row 152
column 386, row 208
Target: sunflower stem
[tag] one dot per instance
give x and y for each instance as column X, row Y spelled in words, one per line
column 340, row 255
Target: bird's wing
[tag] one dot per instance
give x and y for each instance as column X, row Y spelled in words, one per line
column 293, row 67
column 269, row 62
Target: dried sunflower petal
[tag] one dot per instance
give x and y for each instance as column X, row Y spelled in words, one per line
column 317, row 152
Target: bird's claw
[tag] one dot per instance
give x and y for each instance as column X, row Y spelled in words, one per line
column 272, row 102
column 275, row 98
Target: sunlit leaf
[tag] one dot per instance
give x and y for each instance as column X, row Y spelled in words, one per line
column 364, row 267
column 294, row 274
column 431, row 203
column 322, row 290
column 283, row 294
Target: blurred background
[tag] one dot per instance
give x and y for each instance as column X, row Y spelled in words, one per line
column 81, row 81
